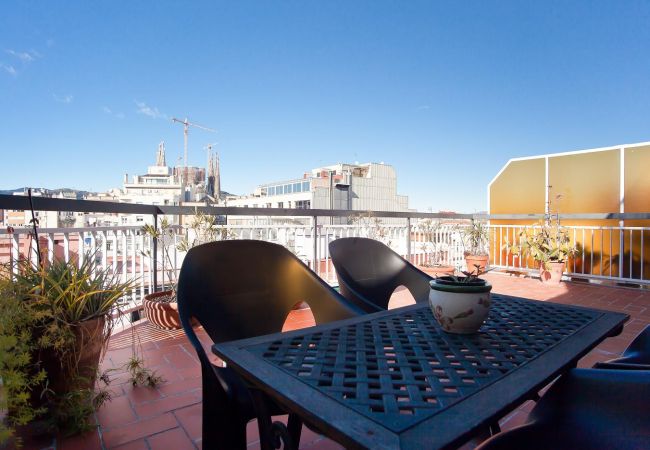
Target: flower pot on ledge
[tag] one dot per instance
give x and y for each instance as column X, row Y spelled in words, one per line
column 476, row 260
column 552, row 274
column 161, row 312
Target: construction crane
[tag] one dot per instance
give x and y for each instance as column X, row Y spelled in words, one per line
column 186, row 127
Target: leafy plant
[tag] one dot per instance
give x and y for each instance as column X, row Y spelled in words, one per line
column 469, row 278
column 19, row 377
column 372, row 226
column 475, row 238
column 55, row 322
column 546, row 242
column 433, row 249
column 202, row 228
column 140, row 375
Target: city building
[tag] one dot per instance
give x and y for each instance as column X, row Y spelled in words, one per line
column 164, row 185
column 354, row 187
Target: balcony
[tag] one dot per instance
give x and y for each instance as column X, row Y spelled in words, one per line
column 169, row 416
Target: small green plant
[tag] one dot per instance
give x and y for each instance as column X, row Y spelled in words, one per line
column 469, row 278
column 372, row 225
column 140, row 375
column 202, row 228
column 546, row 242
column 55, row 323
column 434, row 254
column 475, row 238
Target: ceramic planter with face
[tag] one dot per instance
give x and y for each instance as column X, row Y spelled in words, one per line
column 460, row 307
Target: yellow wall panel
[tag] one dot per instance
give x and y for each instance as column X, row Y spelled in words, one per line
column 519, row 189
column 637, row 179
column 587, row 182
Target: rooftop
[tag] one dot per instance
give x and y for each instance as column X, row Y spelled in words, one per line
column 169, row 416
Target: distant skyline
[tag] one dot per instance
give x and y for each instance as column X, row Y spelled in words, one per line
column 446, row 92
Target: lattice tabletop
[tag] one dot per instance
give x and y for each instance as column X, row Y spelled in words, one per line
column 386, row 380
column 402, row 369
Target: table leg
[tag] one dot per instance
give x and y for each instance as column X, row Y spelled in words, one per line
column 274, row 435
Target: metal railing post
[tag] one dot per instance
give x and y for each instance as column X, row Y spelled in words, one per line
column 408, row 239
column 154, row 288
column 314, row 256
column 621, row 248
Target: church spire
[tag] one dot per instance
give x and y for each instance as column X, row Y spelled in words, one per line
column 217, row 179
column 160, row 155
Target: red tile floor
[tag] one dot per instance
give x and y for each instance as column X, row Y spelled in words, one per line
column 169, row 416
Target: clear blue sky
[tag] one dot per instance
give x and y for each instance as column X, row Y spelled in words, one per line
column 446, row 92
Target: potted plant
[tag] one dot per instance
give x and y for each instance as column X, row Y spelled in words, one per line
column 161, row 308
column 55, row 322
column 433, row 250
column 549, row 245
column 475, row 240
column 460, row 304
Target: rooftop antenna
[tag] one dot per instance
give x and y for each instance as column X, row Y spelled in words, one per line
column 186, row 127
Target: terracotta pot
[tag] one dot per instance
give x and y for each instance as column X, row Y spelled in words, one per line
column 476, row 260
column 437, row 271
column 163, row 315
column 553, row 275
column 90, row 339
column 459, row 308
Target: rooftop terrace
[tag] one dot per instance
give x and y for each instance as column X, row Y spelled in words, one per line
column 169, row 416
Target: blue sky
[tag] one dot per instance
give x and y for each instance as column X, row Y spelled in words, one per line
column 446, row 92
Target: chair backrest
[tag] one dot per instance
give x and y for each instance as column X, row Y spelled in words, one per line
column 369, row 272
column 244, row 288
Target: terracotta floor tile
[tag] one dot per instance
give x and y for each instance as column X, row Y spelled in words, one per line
column 140, row 444
column 177, row 401
column 143, row 428
column 185, row 385
column 118, row 411
column 141, row 394
column 166, row 404
column 172, row 439
column 190, row 419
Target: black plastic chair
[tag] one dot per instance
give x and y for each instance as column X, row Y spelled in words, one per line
column 369, row 272
column 240, row 289
column 586, row 408
column 635, row 357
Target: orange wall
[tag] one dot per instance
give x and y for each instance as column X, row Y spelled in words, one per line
column 585, row 182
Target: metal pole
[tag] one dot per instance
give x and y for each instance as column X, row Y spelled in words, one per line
column 155, row 253
column 408, row 239
column 314, row 257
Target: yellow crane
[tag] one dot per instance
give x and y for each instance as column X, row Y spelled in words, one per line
column 186, row 127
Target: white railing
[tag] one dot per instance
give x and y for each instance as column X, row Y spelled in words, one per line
column 604, row 252
column 125, row 251
column 128, row 252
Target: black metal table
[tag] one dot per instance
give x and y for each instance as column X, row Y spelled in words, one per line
column 394, row 379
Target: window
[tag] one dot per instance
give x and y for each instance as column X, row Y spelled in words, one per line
column 305, row 186
column 271, row 190
column 280, row 204
column 297, row 187
column 139, row 219
column 287, row 189
column 303, row 204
